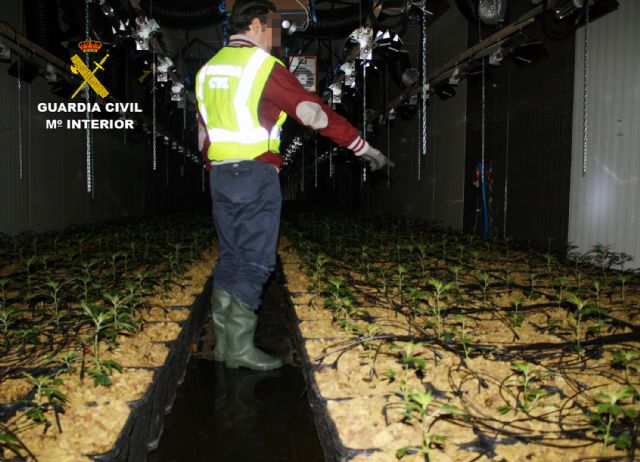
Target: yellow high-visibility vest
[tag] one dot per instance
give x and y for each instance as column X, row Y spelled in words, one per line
column 228, row 90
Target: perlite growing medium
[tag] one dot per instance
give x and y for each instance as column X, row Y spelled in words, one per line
column 434, row 343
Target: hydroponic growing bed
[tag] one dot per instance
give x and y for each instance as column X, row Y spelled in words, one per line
column 97, row 324
column 424, row 343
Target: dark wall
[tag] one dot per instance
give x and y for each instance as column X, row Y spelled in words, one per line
column 528, row 139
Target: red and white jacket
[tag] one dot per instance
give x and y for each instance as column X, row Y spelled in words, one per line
column 283, row 92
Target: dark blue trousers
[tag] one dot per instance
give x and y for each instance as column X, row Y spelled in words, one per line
column 246, row 212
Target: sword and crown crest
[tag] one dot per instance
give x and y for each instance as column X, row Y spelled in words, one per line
column 90, row 46
column 80, row 68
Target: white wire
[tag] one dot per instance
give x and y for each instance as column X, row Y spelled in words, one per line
column 306, row 12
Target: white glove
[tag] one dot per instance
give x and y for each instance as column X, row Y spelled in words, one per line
column 375, row 158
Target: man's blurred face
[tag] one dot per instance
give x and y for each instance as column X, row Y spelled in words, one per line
column 273, row 31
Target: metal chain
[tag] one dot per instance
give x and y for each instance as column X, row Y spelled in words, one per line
column 88, row 115
column 420, row 146
column 302, row 176
column 154, row 127
column 585, row 94
column 388, row 153
column 386, row 103
column 484, row 108
column 506, row 182
column 86, row 21
column 315, row 164
column 330, row 159
column 154, row 115
column 424, row 79
column 20, row 150
column 364, row 117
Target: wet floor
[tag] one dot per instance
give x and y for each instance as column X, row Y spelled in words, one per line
column 227, row 415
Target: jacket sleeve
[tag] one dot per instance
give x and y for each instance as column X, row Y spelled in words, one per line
column 203, row 142
column 284, row 91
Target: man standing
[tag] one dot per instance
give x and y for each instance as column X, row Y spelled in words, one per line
column 244, row 96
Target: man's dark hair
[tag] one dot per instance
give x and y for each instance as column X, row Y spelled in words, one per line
column 244, row 11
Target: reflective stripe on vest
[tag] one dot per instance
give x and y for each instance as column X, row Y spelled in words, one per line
column 228, row 89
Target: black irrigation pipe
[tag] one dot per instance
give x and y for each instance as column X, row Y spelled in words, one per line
column 333, row 448
column 499, row 351
column 7, row 431
column 145, row 423
column 520, row 433
column 502, row 351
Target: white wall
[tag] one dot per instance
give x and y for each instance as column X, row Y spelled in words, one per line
column 605, row 203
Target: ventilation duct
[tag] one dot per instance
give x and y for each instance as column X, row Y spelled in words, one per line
column 492, row 11
column 192, row 14
column 41, row 24
column 339, row 22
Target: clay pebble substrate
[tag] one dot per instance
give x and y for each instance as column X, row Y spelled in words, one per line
column 95, row 416
column 368, row 415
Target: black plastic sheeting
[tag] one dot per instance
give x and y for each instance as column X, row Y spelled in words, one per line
column 333, row 447
column 145, row 425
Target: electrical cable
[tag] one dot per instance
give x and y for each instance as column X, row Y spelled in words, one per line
column 20, row 150
column 306, row 23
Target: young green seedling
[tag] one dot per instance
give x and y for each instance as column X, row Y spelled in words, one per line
column 527, row 378
column 8, row 315
column 561, row 283
column 516, row 318
column 532, row 276
column 3, row 289
column 507, row 277
column 597, row 287
column 54, row 290
column 401, row 270
column 602, row 257
column 102, row 368
column 463, row 339
column 319, row 264
column 484, row 278
column 31, row 261
column 418, row 409
column 455, row 269
column 439, row 291
column 629, row 359
column 422, row 251
column 623, row 278
column 550, row 259
column 582, row 309
column 48, row 396
column 613, row 420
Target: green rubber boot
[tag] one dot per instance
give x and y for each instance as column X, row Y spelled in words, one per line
column 241, row 326
column 220, row 308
